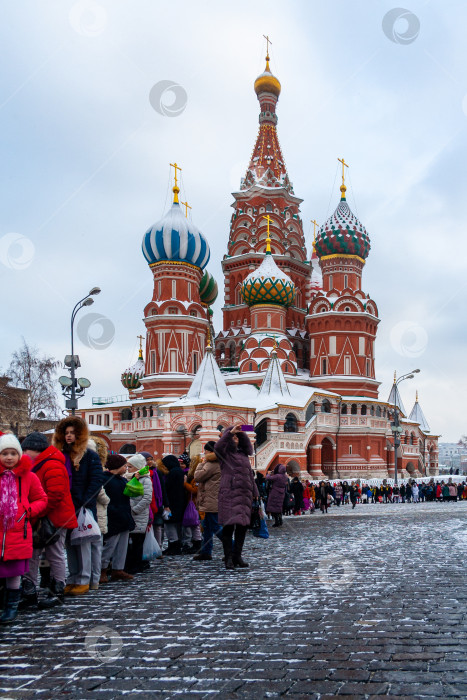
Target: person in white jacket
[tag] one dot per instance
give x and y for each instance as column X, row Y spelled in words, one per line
column 140, row 510
column 415, row 493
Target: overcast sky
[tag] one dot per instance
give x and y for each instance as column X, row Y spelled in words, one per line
column 84, row 166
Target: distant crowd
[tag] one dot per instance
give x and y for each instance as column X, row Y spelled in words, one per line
column 302, row 497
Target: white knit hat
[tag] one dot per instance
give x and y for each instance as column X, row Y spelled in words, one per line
column 9, row 441
column 137, row 461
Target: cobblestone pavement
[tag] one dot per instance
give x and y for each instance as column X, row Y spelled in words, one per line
column 361, row 603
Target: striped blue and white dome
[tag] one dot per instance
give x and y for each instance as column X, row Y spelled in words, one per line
column 175, row 238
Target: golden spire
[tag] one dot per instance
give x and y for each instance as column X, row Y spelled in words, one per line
column 315, row 224
column 187, row 206
column 175, row 188
column 141, row 338
column 275, row 346
column 268, row 41
column 268, row 239
column 395, row 376
column 416, row 396
column 209, row 336
column 343, row 188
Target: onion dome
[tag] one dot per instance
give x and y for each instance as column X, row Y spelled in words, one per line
column 208, row 290
column 342, row 233
column 268, row 284
column 267, row 82
column 175, row 239
column 131, row 377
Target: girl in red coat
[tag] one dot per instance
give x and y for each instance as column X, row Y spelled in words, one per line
column 21, row 498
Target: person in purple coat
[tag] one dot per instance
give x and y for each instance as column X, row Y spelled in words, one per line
column 237, row 491
column 278, row 480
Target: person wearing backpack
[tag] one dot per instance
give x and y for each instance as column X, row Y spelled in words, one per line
column 49, row 467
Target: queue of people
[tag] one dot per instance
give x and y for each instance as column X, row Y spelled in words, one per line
column 82, row 517
column 285, row 496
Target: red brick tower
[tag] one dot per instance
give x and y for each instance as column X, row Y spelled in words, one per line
column 175, row 318
column 343, row 320
column 266, row 189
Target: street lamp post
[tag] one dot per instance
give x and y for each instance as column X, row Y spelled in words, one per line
column 396, row 427
column 72, row 362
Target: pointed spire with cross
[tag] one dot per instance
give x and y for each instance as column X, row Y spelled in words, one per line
column 175, row 188
column 315, row 224
column 140, row 338
column 268, row 238
column 343, row 188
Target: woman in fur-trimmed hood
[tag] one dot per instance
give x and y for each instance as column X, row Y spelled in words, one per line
column 83, row 464
column 78, row 447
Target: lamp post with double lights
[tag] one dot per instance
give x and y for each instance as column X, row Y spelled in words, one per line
column 73, row 388
column 395, row 426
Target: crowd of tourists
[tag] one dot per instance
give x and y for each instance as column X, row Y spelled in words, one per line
column 82, row 516
column 303, row 497
column 74, row 517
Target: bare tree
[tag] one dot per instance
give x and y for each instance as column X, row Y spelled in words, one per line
column 36, row 373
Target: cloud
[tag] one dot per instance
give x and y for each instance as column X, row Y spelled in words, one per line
column 85, row 160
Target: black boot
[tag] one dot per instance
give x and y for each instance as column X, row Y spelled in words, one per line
column 55, row 596
column 173, row 548
column 276, row 520
column 227, row 544
column 45, row 576
column 195, row 546
column 240, row 533
column 11, row 606
column 28, row 595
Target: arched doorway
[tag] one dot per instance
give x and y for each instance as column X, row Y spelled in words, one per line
column 327, row 462
column 128, row 449
column 293, row 468
column 261, row 431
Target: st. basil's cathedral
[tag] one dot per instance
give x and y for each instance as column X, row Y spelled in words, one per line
column 295, row 360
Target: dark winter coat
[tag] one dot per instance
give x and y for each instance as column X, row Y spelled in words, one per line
column 276, row 494
column 49, row 467
column 119, row 517
column 87, row 475
column 176, row 493
column 237, row 486
column 296, row 487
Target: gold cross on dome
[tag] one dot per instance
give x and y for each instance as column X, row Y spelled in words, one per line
column 187, row 206
column 175, row 188
column 344, row 165
column 315, row 224
column 268, row 41
column 140, row 338
column 176, row 167
column 268, row 239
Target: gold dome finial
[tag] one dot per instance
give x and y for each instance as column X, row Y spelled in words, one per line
column 395, row 376
column 416, row 396
column 315, row 224
column 268, row 237
column 267, row 82
column 343, row 188
column 175, row 188
column 141, row 338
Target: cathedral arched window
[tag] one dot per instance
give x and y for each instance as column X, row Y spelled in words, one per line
column 145, row 412
column 261, row 431
column 353, row 409
column 310, row 411
column 378, row 411
column 363, row 410
column 291, row 424
column 372, row 411
column 325, row 406
column 344, row 409
column 127, row 414
column 269, row 207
